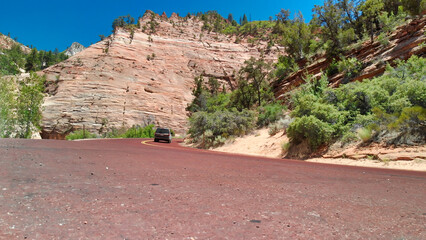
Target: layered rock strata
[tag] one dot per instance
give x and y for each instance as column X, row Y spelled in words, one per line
column 140, row 77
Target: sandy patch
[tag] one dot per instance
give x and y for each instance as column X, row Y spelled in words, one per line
column 259, row 143
column 416, row 164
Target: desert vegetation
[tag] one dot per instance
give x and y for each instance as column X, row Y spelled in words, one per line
column 337, row 24
column 21, row 97
column 20, row 105
column 218, row 114
column 15, row 60
column 391, row 107
column 388, row 108
column 136, row 131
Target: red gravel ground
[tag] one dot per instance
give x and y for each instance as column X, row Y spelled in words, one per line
column 122, row 189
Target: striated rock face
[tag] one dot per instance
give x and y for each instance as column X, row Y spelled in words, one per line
column 403, row 43
column 74, row 49
column 140, row 78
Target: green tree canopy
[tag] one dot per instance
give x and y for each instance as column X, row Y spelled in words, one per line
column 33, row 61
column 330, row 17
column 370, row 12
column 296, row 37
column 244, row 21
column 256, row 72
column 29, row 103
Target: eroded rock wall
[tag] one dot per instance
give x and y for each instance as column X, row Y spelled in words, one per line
column 139, row 78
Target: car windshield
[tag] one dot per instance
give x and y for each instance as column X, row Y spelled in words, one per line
column 162, row 130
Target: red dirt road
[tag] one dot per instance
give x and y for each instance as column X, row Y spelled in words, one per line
column 122, row 189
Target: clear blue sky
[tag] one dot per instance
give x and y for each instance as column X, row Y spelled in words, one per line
column 48, row 24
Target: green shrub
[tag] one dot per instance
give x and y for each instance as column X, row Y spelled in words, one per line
column 389, row 21
column 219, row 140
column 133, row 132
column 415, row 91
column 270, row 113
column 310, row 128
column 80, row 134
column 359, row 108
column 330, row 114
column 347, row 36
column 369, row 120
column 351, row 67
column 218, row 102
column 383, row 39
column 410, row 118
column 303, row 103
column 314, row 46
column 314, row 88
column 256, row 28
column 229, row 30
column 349, row 137
column 365, row 134
column 274, row 129
column 205, row 128
column 325, row 112
column 332, row 69
column 115, row 132
column 285, row 66
column 285, row 146
column 140, row 132
column 281, row 124
column 285, row 122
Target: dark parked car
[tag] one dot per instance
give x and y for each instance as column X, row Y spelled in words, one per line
column 163, row 134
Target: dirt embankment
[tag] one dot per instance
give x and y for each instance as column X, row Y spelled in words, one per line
column 261, row 144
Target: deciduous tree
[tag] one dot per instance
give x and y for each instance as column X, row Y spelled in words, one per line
column 29, row 103
column 7, row 107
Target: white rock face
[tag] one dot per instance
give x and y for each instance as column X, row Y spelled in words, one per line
column 74, row 49
column 139, row 78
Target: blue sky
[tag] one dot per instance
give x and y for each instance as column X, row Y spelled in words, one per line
column 48, row 24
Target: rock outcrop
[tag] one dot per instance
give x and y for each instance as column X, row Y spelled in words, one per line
column 378, row 152
column 139, row 77
column 74, row 49
column 7, row 43
column 403, row 43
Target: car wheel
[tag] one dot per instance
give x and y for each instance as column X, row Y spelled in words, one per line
column 155, row 140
